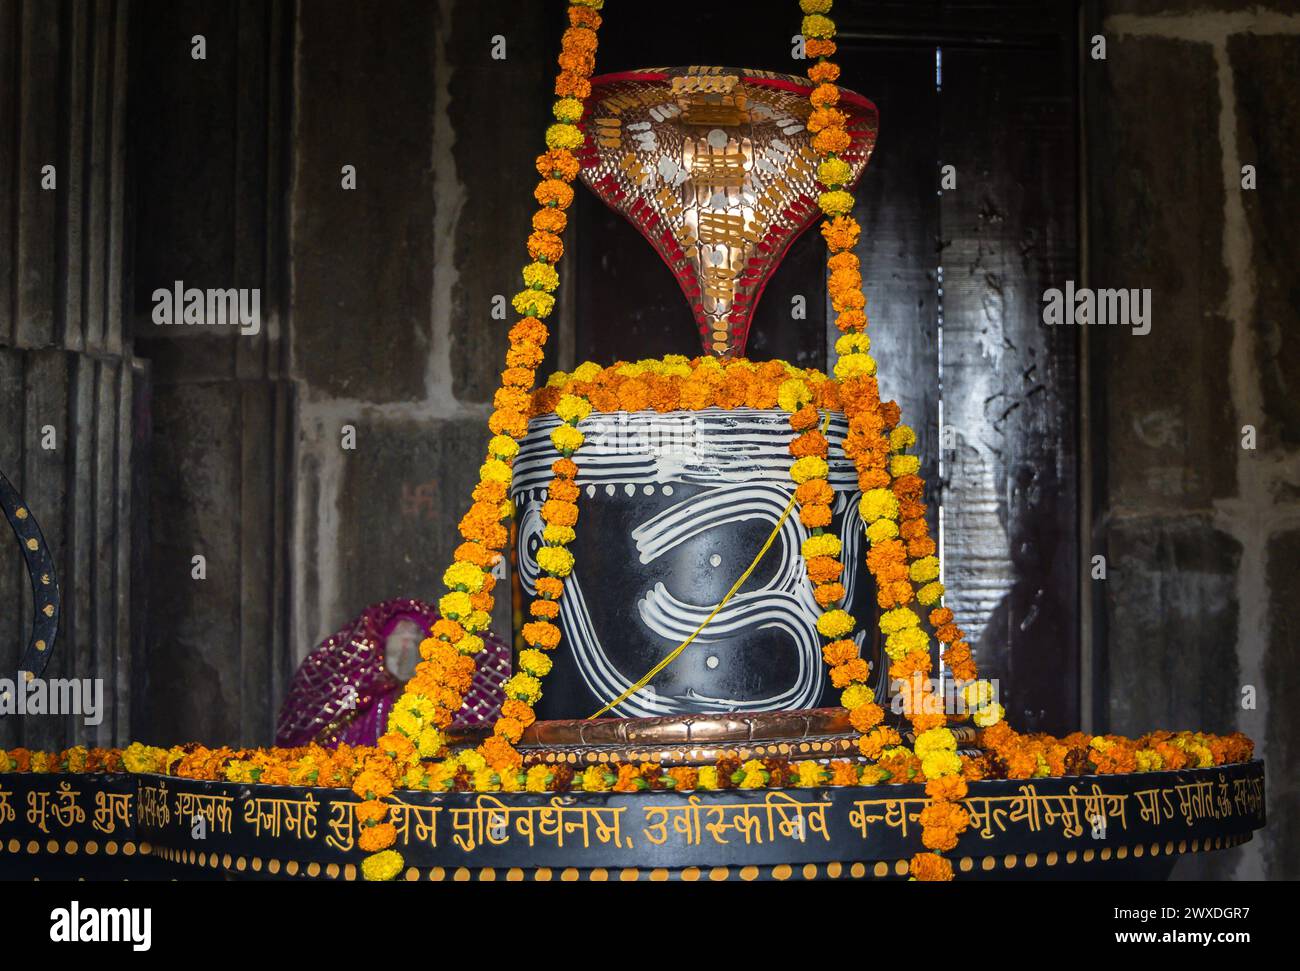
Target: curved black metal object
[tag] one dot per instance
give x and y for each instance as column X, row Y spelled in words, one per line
column 40, row 569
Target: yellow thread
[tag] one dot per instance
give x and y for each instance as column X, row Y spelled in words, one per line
column 676, row 652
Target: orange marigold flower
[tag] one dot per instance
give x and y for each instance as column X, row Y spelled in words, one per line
column 559, row 513
column 823, row 569
column 519, row 711
column 563, row 489
column 831, row 140
column 890, row 413
column 839, row 652
column 565, row 468
column 500, row 754
column 815, row 515
column 518, row 377
column 873, row 479
column 811, row 442
column 524, row 355
column 851, row 320
column 581, row 16
column 823, row 72
column 546, row 609
column 828, row 593
column 553, row 192
column 380, row 836
column 558, row 163
column 512, row 423
column 940, row 616
column 866, row 717
column 550, row 221
column 814, row 491
column 571, row 84
column 541, row 634
column 816, row 47
column 930, row 868
column 824, row 95
column 509, row 729
column 841, row 233
column 824, row 118
column 545, row 246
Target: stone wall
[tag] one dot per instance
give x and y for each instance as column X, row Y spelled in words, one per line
column 1196, row 621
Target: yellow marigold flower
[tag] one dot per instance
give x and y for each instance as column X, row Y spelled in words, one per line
column 809, row 773
column 814, row 6
column 827, row 544
column 541, row 275
column 977, row 694
column 455, row 605
column 534, row 662
column 1148, row 760
column 555, row 560
column 512, row 781
column 138, row 757
column 478, row 620
column 989, row 716
column 469, row 644
column 852, row 344
column 593, row 779
column 381, row 866
column 557, row 380
column 494, row 470
column 878, row 504
column 855, row 696
column 567, row 110
column 834, row 624
column 931, row 593
column 753, row 778
column 567, row 439
column 587, row 371
column 904, row 642
column 563, row 136
column 523, row 687
column 935, row 740
column 471, row 760
column 926, row 568
column 503, row 447
column 901, row 438
column 904, row 465
column 573, row 408
column 463, row 576
column 405, row 722
column 707, row 778
column 429, row 743
column 536, row 778
column 533, row 303
column 900, row 618
column 485, row 780
column 837, row 202
column 939, row 764
column 808, row 467
column 558, row 535
column 815, row 25
column 834, row 172
column 881, row 530
column 793, row 395
column 855, row 366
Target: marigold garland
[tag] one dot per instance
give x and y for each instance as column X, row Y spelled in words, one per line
column 438, row 688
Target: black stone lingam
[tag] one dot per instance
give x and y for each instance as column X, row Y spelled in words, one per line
column 673, row 509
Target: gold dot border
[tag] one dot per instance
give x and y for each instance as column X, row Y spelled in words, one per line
column 780, row 872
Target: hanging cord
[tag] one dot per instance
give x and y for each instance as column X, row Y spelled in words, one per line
column 735, row 587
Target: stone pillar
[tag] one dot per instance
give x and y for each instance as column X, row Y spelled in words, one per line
column 74, row 421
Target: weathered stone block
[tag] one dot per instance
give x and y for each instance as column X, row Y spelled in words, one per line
column 362, row 259
column 1171, row 623
column 1268, row 137
column 1157, row 221
column 400, row 496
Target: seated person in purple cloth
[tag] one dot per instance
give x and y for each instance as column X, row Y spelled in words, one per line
column 344, row 689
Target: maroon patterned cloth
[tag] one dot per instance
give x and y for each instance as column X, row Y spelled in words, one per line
column 344, row 689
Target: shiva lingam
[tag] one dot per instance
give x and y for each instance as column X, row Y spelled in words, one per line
column 714, row 166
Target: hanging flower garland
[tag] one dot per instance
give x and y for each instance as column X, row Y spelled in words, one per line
column 438, row 687
column 902, row 557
